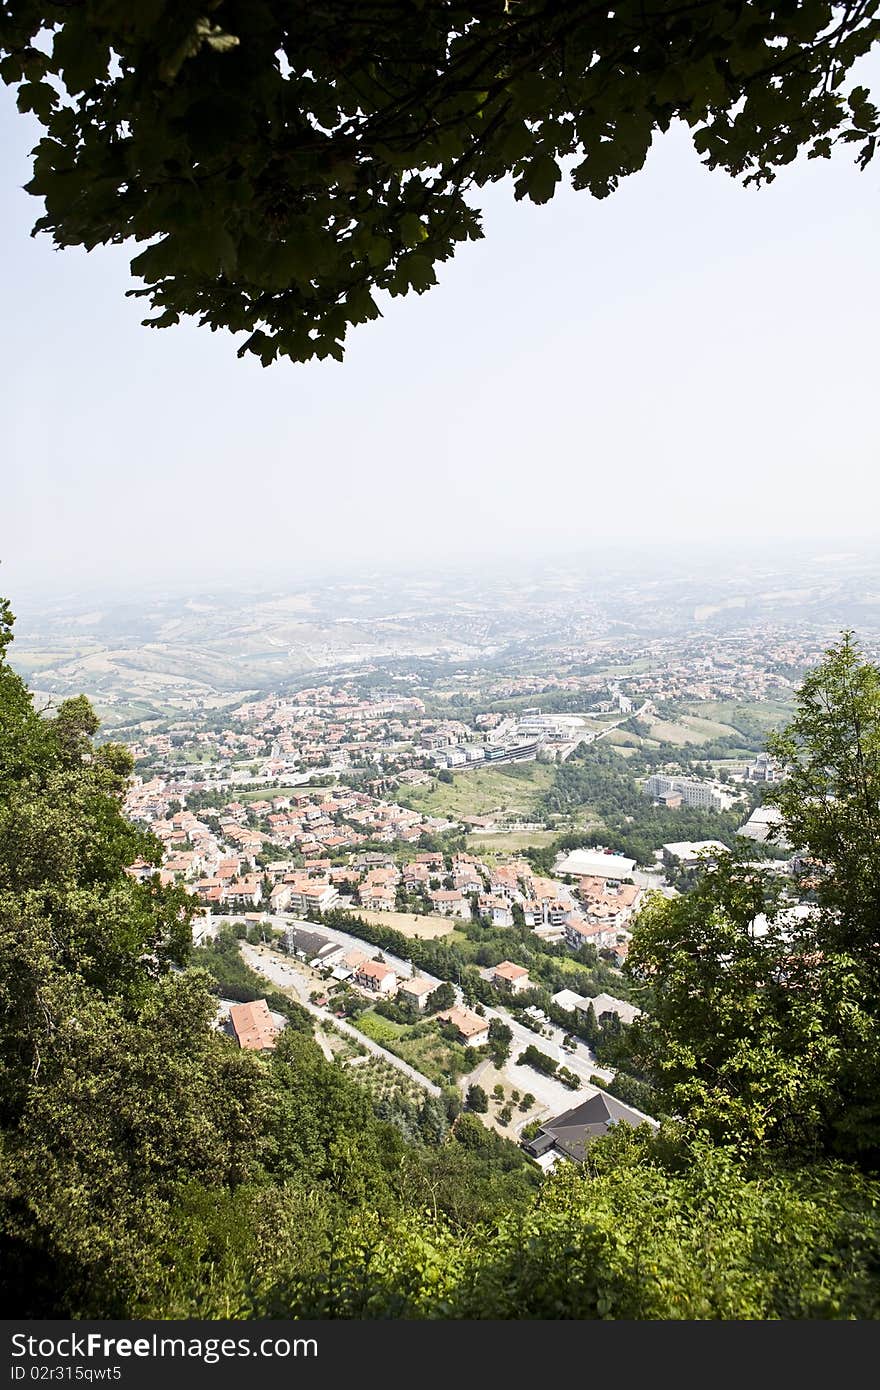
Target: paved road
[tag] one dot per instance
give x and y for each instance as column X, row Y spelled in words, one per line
column 288, row 978
column 644, row 878
column 213, row 782
column 549, row 1092
column 566, row 749
column 402, row 968
column 552, row 1094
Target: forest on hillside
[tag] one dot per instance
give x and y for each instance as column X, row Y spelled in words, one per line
column 151, row 1169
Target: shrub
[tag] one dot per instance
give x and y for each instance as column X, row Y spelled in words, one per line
column 477, row 1100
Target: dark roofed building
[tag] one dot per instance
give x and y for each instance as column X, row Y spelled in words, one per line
column 306, row 944
column 571, row 1132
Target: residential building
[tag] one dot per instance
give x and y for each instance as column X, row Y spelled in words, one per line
column 416, row 991
column 571, row 1133
column 504, row 882
column 253, row 1026
column 380, row 898
column 471, row 1028
column 512, row 979
column 416, row 876
column 248, row 890
column 351, row 961
column 141, row 870
column 605, row 1006
column 316, row 894
column 701, row 795
column 450, row 903
column 577, row 932
column 498, row 910
column 377, row 977
column 467, row 882
column 279, row 898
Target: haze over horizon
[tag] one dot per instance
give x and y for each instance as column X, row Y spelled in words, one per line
column 688, row 365
column 812, row 560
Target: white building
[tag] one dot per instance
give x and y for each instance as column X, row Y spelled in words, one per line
column 376, row 976
column 595, row 863
column 567, row 999
column 317, row 896
column 760, row 824
column 691, row 852
column 702, row 795
column 605, row 1006
column 416, row 991
column 763, row 769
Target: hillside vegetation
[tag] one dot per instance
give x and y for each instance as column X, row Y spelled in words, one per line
column 150, row 1169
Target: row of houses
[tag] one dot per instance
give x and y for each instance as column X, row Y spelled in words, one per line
column 604, row 1006
column 357, row 967
column 221, row 870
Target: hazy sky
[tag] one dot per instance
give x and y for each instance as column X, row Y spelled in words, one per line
column 686, row 359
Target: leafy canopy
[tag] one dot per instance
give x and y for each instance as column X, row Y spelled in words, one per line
column 282, row 162
column 148, row 1168
column 830, row 798
column 144, row 1159
column 769, row 1037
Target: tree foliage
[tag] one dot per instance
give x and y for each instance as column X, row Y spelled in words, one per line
column 770, row 1038
column 281, row 163
column 477, row 1100
column 130, row 1129
column 628, row 1238
column 738, row 1041
column 597, row 778
column 830, row 797
column 151, row 1169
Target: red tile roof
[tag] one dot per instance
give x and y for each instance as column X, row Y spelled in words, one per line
column 253, row 1025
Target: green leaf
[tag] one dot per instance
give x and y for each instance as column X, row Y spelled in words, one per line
column 539, row 180
column 39, row 97
column 412, row 229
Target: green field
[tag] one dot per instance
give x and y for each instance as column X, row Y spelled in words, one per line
column 511, row 791
column 512, row 842
column 634, row 668
column 626, row 742
column 421, row 1044
column 458, row 937
column 708, row 729
column 703, row 723
column 140, row 713
column 665, row 731
column 743, row 714
column 595, row 723
column 267, row 793
column 383, row 1080
column 431, row 1054
column 381, row 1030
column 27, row 663
column 623, row 738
